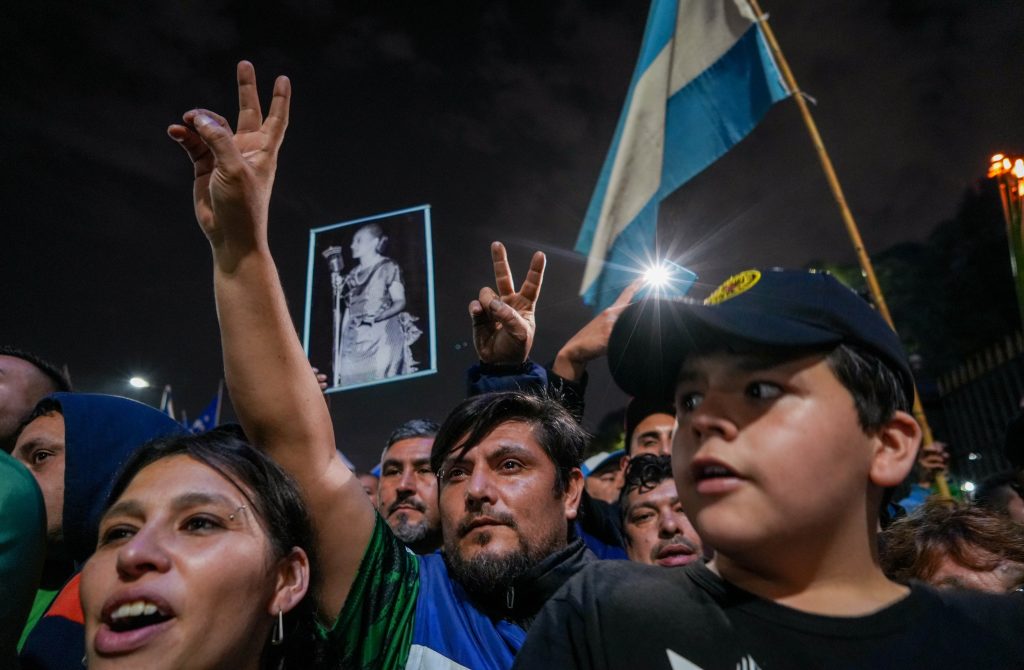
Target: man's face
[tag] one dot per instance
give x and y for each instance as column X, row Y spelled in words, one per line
column 769, row 453
column 1003, row 577
column 408, row 491
column 40, row 447
column 22, row 385
column 605, row 484
column 657, row 531
column 499, row 510
column 653, row 435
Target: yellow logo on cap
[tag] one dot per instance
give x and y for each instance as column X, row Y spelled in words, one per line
column 733, row 286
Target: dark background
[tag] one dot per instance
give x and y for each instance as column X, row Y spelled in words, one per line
column 496, row 113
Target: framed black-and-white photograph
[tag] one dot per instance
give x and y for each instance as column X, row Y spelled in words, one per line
column 370, row 300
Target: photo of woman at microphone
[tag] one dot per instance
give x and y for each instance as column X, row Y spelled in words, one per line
column 373, row 327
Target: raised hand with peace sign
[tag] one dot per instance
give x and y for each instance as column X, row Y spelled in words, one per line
column 504, row 322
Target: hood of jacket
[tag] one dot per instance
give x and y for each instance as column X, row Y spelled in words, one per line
column 100, row 433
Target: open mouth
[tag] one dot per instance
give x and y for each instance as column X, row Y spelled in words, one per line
column 131, row 625
column 712, row 476
column 136, row 615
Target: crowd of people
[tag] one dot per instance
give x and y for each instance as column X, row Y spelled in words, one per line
column 751, row 518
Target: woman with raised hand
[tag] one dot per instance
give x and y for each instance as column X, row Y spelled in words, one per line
column 204, row 560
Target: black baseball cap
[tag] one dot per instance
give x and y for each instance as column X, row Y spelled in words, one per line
column 753, row 311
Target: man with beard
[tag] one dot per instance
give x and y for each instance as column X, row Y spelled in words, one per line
column 507, row 464
column 654, row 524
column 407, row 491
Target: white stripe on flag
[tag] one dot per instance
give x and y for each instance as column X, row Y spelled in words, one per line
column 708, row 85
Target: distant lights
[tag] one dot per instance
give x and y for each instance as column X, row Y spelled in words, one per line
column 974, row 456
column 139, row 382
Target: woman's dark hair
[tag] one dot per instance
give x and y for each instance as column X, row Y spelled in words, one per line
column 554, row 428
column 275, row 502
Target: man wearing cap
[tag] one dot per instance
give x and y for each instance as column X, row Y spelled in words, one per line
column 603, row 475
column 793, row 401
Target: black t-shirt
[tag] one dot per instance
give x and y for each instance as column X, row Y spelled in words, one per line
column 619, row 614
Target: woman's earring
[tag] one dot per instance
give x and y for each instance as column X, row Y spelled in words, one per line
column 277, row 637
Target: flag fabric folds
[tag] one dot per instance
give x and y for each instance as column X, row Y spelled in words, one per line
column 705, row 77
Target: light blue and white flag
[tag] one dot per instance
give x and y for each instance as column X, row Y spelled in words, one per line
column 704, row 79
column 210, row 416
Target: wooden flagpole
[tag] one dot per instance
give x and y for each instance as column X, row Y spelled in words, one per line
column 851, row 225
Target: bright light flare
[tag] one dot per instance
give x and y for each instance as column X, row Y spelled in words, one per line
column 1018, row 168
column 139, row 382
column 967, row 486
column 657, row 276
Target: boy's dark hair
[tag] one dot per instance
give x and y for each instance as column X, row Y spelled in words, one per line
column 876, row 389
column 413, row 428
column 57, row 377
column 644, row 472
column 275, row 502
column 913, row 547
column 554, row 428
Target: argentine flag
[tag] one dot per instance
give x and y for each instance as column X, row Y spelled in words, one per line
column 704, row 79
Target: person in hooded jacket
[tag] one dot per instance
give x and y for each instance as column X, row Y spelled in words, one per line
column 74, row 444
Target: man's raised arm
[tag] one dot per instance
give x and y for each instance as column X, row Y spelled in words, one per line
column 278, row 400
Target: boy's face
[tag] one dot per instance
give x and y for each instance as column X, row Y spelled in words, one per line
column 768, row 453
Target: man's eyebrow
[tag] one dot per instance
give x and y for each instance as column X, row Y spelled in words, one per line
column 509, row 449
column 40, row 441
column 640, row 504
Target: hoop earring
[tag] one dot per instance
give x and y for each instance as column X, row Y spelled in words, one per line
column 277, row 636
column 381, row 245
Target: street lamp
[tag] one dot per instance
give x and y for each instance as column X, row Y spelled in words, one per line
column 1009, row 173
column 139, row 382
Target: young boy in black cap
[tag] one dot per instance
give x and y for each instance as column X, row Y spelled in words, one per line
column 793, row 400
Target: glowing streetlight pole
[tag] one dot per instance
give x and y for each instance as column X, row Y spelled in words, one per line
column 1009, row 173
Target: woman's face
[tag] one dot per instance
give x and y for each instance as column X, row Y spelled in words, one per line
column 363, row 243
column 182, row 576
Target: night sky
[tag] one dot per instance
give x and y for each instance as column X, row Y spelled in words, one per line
column 497, row 114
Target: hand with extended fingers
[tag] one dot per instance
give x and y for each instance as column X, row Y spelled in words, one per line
column 234, row 171
column 504, row 322
column 592, row 340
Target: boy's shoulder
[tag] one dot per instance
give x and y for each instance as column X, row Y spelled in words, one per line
column 620, row 614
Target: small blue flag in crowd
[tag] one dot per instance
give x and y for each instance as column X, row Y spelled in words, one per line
column 210, row 416
column 167, row 402
column 705, row 77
